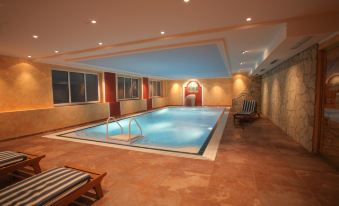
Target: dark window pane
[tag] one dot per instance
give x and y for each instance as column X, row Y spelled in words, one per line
column 121, row 83
column 77, row 87
column 128, row 88
column 135, row 88
column 150, row 88
column 92, row 87
column 154, row 88
column 158, row 88
column 60, row 87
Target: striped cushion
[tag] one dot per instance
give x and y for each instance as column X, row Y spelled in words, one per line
column 249, row 106
column 43, row 189
column 9, row 157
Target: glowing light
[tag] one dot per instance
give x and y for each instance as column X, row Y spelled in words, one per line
column 29, row 56
column 93, row 21
column 35, row 36
column 162, row 32
column 248, row 19
column 186, row 1
column 100, row 43
column 56, row 51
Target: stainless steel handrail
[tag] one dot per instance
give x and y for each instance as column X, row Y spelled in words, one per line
column 129, row 127
column 114, row 120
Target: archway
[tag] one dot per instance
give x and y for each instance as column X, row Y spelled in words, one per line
column 193, row 87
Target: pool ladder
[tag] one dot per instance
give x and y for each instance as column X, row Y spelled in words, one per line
column 123, row 137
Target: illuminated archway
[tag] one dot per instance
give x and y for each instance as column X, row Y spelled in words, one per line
column 193, row 87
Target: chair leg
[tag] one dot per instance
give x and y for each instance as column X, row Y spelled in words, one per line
column 98, row 191
column 36, row 167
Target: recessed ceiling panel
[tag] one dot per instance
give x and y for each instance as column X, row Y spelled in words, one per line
column 203, row 61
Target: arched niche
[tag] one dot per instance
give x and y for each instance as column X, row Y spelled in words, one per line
column 193, row 87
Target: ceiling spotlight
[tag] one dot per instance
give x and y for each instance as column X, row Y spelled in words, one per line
column 35, row 36
column 29, row 56
column 186, row 1
column 248, row 19
column 100, row 43
column 244, row 52
column 93, row 21
column 56, row 51
column 162, row 33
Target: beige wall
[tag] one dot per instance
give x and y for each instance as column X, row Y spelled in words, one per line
column 159, row 102
column 216, row 91
column 24, row 85
column 132, row 106
column 26, row 100
column 245, row 87
column 174, row 92
column 21, row 123
column 241, row 82
column 288, row 96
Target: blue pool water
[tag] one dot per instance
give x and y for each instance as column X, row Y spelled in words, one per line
column 174, row 128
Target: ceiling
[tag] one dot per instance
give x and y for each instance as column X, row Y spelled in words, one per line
column 186, row 62
column 202, row 38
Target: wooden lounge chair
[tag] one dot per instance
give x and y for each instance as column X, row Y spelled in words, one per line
column 57, row 187
column 248, row 112
column 11, row 161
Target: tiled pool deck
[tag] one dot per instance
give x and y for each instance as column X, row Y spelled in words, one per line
column 258, row 165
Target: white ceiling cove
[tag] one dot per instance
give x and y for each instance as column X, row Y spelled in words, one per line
column 202, row 38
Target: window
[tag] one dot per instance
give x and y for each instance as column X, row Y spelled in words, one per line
column 60, row 87
column 77, row 87
column 74, row 87
column 155, row 88
column 121, row 87
column 92, row 83
column 128, row 88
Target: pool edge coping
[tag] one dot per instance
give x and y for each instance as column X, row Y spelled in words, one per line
column 209, row 152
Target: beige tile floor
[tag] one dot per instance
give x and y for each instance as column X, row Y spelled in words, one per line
column 257, row 165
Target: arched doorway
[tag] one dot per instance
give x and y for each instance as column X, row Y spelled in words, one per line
column 193, row 87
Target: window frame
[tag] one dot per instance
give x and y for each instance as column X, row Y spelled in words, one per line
column 150, row 87
column 69, row 87
column 117, row 87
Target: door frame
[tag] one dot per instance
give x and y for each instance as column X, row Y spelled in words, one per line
column 319, row 91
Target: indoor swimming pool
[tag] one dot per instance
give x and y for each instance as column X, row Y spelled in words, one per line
column 176, row 129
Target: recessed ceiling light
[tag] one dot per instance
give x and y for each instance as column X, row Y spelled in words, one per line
column 35, row 36
column 244, row 52
column 162, row 32
column 93, row 21
column 186, row 1
column 100, row 43
column 56, row 51
column 248, row 19
column 29, row 56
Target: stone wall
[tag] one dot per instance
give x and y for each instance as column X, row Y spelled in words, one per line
column 288, row 96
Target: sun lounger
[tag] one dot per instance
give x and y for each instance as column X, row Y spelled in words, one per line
column 58, row 187
column 11, row 161
column 249, row 111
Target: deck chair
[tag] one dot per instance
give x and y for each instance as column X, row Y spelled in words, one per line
column 11, row 161
column 249, row 111
column 55, row 187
